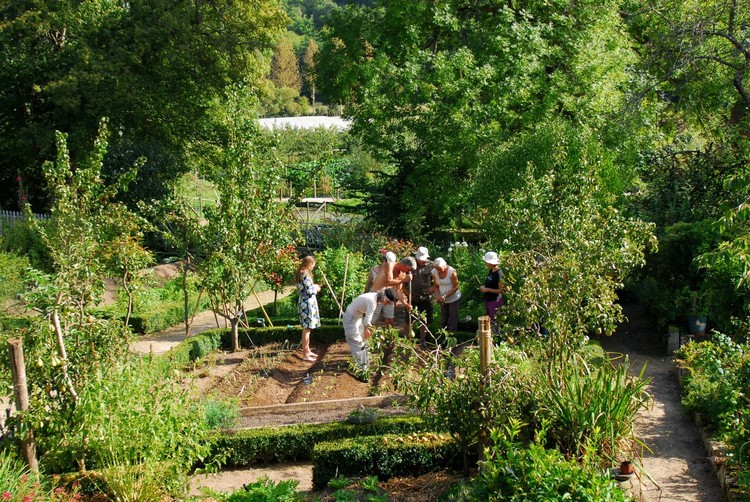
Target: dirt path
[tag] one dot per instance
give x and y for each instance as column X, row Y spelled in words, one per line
column 678, row 461
column 161, row 342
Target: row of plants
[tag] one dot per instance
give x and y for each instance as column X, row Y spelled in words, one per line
column 716, row 384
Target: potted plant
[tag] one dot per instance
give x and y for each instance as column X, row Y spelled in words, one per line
column 694, row 304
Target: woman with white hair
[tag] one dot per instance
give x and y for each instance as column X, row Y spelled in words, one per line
column 445, row 280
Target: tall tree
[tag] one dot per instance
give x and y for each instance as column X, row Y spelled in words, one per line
column 309, row 60
column 152, row 67
column 285, row 66
column 438, row 86
column 248, row 227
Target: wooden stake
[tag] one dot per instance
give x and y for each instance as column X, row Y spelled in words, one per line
column 343, row 287
column 485, row 358
column 21, row 392
column 265, row 314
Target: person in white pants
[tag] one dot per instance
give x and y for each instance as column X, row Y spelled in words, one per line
column 358, row 323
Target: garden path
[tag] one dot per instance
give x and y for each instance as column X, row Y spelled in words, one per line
column 163, row 341
column 678, row 461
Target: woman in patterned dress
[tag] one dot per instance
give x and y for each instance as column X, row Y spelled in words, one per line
column 309, row 316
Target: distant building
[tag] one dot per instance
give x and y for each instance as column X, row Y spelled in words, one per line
column 308, row 122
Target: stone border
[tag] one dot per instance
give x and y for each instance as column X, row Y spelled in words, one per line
column 716, row 450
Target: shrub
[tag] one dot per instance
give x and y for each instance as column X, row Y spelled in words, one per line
column 514, row 473
column 296, row 442
column 384, row 456
column 135, row 421
column 265, row 490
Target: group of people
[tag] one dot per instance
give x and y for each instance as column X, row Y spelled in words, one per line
column 413, row 281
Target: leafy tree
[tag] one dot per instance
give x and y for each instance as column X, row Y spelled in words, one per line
column 437, row 87
column 90, row 236
column 309, row 60
column 566, row 247
column 285, row 66
column 246, row 230
column 151, row 67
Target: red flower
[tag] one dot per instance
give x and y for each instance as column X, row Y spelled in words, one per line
column 6, row 496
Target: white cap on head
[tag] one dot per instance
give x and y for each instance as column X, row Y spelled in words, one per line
column 440, row 262
column 422, row 254
column 491, row 258
column 390, row 257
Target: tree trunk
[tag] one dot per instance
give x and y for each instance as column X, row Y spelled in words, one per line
column 235, row 320
column 21, row 392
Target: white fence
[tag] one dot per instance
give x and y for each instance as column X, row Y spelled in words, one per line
column 10, row 218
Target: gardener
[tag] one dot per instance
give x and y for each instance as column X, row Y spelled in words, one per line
column 386, row 310
column 493, row 288
column 358, row 326
column 421, row 290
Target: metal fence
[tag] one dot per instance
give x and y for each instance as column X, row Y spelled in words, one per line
column 10, row 218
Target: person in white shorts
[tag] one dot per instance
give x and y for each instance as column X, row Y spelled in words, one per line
column 358, row 325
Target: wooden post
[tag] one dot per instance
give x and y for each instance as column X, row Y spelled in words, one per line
column 485, row 358
column 21, row 393
column 485, row 344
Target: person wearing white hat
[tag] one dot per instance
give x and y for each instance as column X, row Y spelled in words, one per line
column 421, row 289
column 492, row 288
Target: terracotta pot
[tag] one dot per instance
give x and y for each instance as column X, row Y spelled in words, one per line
column 626, row 467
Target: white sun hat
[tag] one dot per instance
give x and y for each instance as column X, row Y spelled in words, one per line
column 422, row 254
column 491, row 258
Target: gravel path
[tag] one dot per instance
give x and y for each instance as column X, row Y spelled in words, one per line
column 678, row 461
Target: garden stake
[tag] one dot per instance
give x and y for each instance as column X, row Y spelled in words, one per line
column 333, row 295
column 343, row 287
column 260, row 304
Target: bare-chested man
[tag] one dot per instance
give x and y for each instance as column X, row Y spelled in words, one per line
column 393, row 275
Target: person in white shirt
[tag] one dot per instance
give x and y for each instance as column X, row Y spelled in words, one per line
column 447, row 293
column 358, row 325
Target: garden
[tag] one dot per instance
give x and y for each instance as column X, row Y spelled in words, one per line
column 600, row 149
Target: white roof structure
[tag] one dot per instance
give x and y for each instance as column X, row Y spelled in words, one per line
column 307, row 122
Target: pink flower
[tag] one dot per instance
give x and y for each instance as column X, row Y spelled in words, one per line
column 6, row 496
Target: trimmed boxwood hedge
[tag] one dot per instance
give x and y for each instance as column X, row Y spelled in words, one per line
column 384, row 456
column 295, row 442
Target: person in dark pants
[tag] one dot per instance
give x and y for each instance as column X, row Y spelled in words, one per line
column 421, row 290
column 493, row 288
column 447, row 294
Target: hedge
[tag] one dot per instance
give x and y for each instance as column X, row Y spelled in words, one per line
column 296, row 442
column 384, row 456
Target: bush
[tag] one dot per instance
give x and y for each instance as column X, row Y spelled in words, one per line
column 296, row 442
column 12, row 275
column 133, row 421
column 515, row 474
column 384, row 456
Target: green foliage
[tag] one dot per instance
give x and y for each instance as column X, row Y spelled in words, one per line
column 565, row 250
column 134, row 419
column 464, row 82
column 296, row 442
column 248, row 227
column 338, row 264
column 383, row 456
column 151, row 67
column 514, row 472
column 12, row 278
column 590, row 410
column 22, row 239
column 450, row 392
column 265, row 490
column 716, row 383
column 221, row 414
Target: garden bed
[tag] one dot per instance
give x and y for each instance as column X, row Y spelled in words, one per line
column 273, row 385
